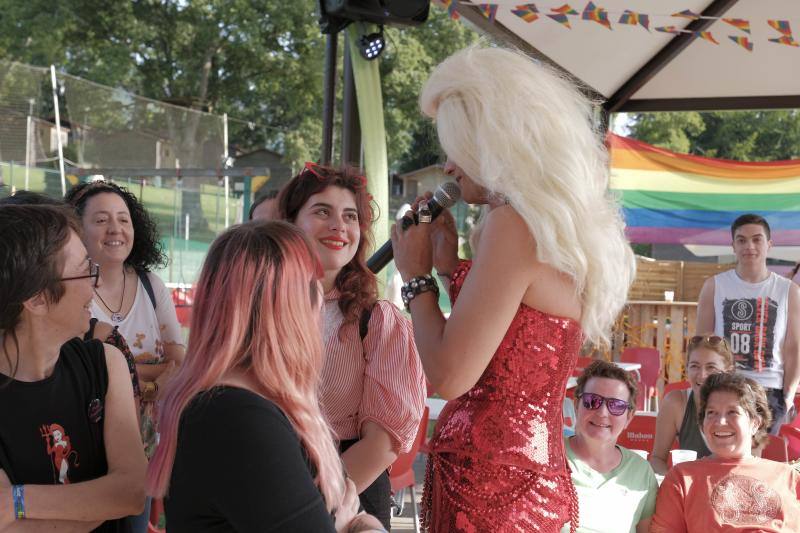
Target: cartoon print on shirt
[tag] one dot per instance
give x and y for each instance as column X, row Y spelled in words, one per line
column 59, row 448
column 749, row 326
column 138, row 342
column 745, row 501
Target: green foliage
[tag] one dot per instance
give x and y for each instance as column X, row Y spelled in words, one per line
column 737, row 135
column 261, row 61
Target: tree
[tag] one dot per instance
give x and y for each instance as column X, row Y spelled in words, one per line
column 260, row 61
column 738, row 135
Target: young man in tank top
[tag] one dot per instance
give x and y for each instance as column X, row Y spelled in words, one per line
column 758, row 312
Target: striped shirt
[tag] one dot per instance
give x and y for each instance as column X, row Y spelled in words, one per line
column 380, row 379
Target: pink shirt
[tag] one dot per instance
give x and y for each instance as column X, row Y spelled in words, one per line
column 380, row 379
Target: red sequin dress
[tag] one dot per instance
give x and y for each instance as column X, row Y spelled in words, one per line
column 497, row 460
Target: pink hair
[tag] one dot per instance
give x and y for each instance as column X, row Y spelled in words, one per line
column 253, row 312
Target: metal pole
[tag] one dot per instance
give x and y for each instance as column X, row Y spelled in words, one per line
column 351, row 128
column 225, row 166
column 58, row 130
column 329, row 96
column 28, row 132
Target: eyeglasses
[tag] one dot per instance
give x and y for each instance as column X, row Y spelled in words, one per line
column 323, row 173
column 712, row 340
column 94, row 272
column 615, row 406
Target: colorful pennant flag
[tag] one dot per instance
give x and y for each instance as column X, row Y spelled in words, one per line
column 687, row 14
column 741, row 24
column 633, row 18
column 527, row 12
column 489, row 11
column 669, row 29
column 744, row 42
column 452, row 8
column 596, row 14
column 705, row 35
column 787, row 38
column 560, row 15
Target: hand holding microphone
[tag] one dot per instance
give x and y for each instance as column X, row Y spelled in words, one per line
column 445, row 196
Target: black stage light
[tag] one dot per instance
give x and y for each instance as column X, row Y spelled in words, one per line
column 371, row 45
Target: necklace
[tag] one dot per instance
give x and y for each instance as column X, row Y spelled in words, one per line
column 116, row 317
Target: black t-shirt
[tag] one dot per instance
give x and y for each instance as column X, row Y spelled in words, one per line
column 240, row 466
column 51, row 431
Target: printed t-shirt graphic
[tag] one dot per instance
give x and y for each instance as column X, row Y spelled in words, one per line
column 749, row 326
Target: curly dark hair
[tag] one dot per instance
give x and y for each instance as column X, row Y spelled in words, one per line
column 357, row 285
column 147, row 252
column 752, row 399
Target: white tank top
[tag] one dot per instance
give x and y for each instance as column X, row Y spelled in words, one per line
column 752, row 317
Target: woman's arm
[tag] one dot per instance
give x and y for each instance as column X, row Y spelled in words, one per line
column 455, row 354
column 121, row 491
column 667, row 427
column 365, row 460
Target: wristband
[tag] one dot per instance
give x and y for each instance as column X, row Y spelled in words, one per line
column 18, row 493
column 416, row 286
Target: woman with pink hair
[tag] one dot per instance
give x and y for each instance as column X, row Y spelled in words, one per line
column 244, row 446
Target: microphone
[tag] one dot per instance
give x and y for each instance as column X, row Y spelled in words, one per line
column 444, row 197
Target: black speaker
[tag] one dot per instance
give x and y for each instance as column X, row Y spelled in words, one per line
column 336, row 14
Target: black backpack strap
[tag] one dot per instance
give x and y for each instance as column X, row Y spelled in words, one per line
column 363, row 322
column 148, row 287
column 90, row 334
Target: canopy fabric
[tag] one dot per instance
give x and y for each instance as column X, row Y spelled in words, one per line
column 736, row 55
column 671, row 198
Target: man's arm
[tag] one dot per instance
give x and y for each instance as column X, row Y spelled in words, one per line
column 705, row 308
column 791, row 347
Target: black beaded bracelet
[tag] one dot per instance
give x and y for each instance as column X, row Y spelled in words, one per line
column 417, row 286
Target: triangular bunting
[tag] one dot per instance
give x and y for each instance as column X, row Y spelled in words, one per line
column 741, row 24
column 489, row 11
column 633, row 18
column 744, row 42
column 706, row 36
column 783, row 26
column 788, row 41
column 560, row 15
column 596, row 14
column 452, row 8
column 668, row 29
column 687, row 14
column 527, row 12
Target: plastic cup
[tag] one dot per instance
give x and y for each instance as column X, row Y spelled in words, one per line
column 641, row 453
column 682, row 456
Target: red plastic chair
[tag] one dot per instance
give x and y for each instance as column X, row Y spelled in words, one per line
column 156, row 510
column 401, row 474
column 640, row 433
column 791, row 434
column 775, row 449
column 650, row 360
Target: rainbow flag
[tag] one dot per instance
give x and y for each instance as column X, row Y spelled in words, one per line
column 596, row 14
column 527, row 12
column 687, row 14
column 741, row 24
column 669, row 29
column 684, row 199
column 744, row 42
column 633, row 18
column 783, row 26
column 489, row 11
column 559, row 14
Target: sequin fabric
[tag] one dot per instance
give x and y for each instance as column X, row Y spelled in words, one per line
column 497, row 460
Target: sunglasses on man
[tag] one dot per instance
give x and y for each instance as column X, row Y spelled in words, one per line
column 615, row 406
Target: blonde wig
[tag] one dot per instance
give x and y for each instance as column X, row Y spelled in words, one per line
column 522, row 131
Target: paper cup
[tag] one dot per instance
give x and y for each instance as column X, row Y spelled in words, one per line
column 682, row 456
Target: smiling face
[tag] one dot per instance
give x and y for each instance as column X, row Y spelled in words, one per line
column 107, row 229
column 702, row 363
column 70, row 316
column 330, row 219
column 599, row 425
column 727, row 427
column 750, row 244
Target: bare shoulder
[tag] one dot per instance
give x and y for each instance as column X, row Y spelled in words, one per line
column 674, row 402
column 115, row 361
column 102, row 330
